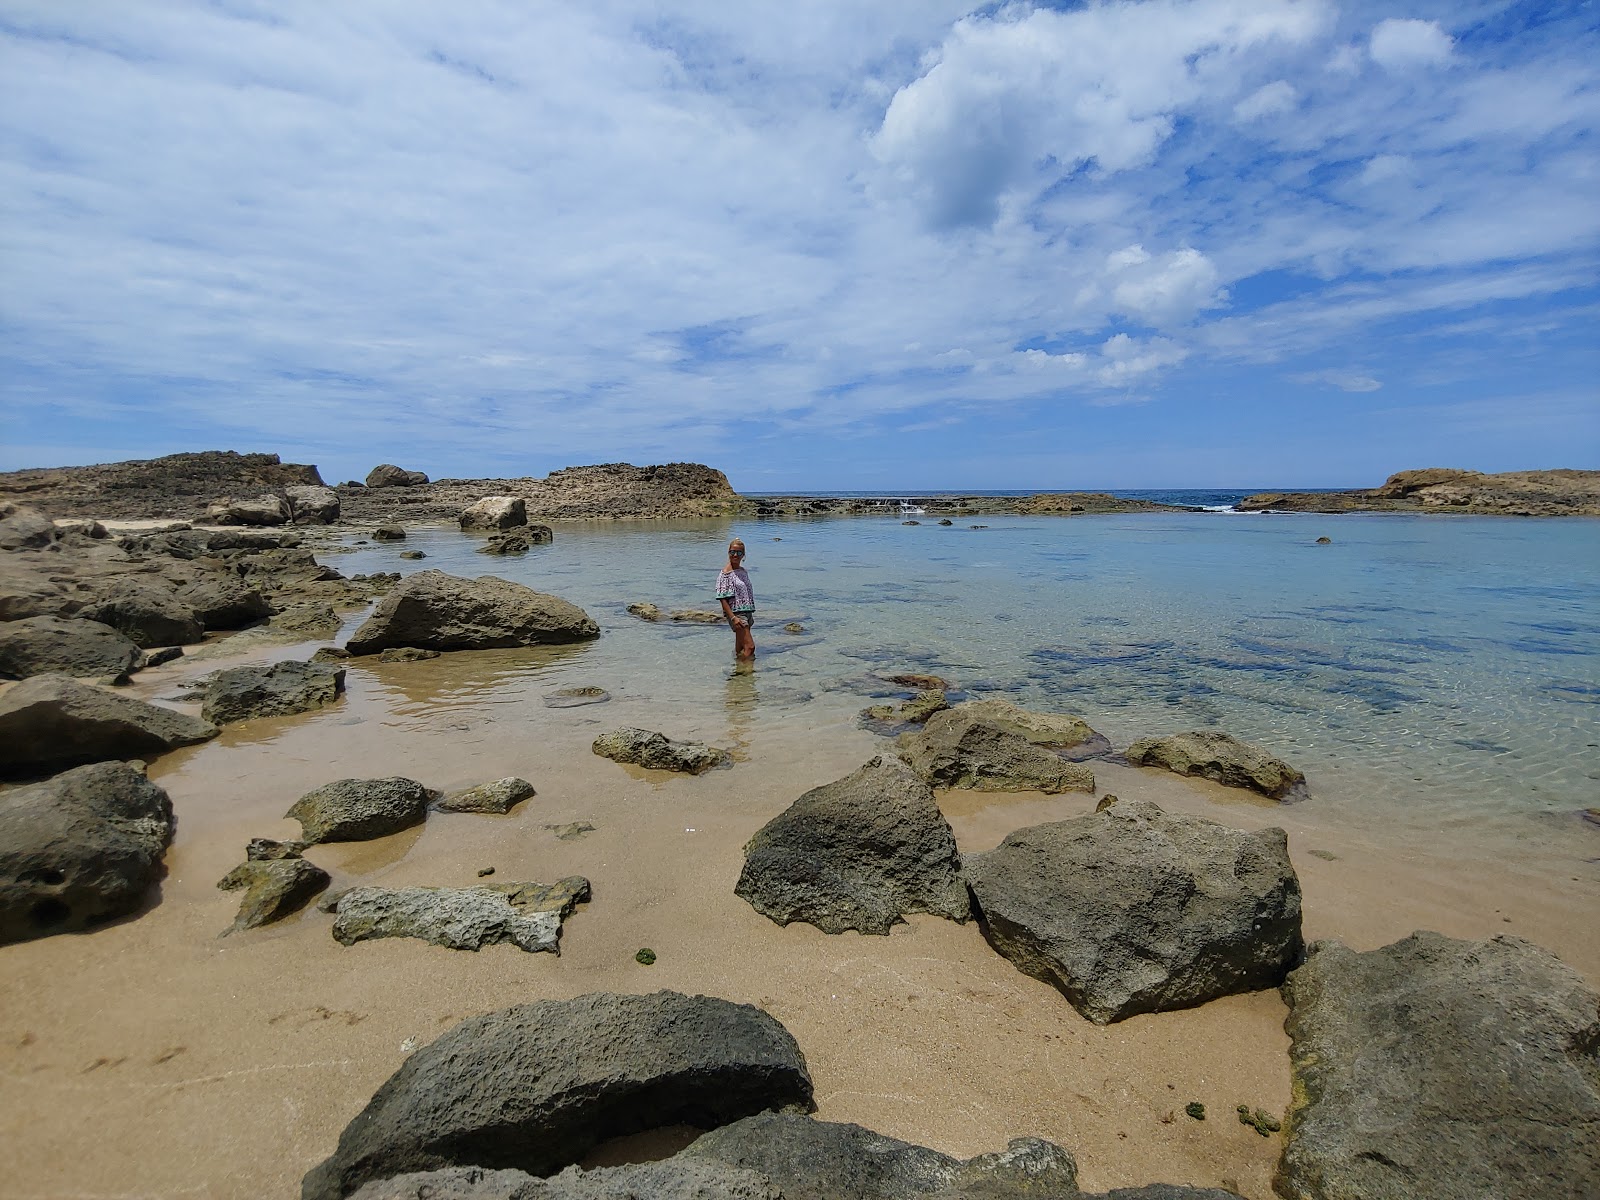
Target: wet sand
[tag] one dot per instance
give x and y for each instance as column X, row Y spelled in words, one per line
column 153, row 1058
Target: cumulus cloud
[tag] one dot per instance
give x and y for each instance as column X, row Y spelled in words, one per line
column 1125, row 360
column 1268, row 100
column 1162, row 290
column 1403, row 42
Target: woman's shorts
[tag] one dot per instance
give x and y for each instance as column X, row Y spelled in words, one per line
column 748, row 614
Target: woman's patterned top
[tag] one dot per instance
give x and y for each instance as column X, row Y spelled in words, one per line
column 734, row 586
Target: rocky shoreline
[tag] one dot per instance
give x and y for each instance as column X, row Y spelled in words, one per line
column 1561, row 493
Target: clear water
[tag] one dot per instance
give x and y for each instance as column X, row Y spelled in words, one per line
column 1442, row 669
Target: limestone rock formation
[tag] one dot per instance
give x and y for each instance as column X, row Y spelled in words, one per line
column 1057, row 731
column 65, row 646
column 436, row 611
column 275, row 690
column 51, row 722
column 1223, row 758
column 25, row 528
column 518, row 541
column 858, row 853
column 178, row 485
column 495, row 512
column 528, row 915
column 387, row 475
column 358, row 810
column 497, row 796
column 274, row 887
column 955, row 749
column 147, row 612
column 658, row 752
column 1134, row 910
column 312, row 504
column 270, row 509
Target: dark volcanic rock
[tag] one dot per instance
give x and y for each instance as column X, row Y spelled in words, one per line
column 278, row 690
column 534, row 1087
column 647, row 748
column 388, row 475
column 528, row 915
column 149, row 613
column 1442, row 1068
column 1133, row 910
column 955, row 749
column 78, row 849
column 858, row 853
column 436, row 611
column 358, row 810
column 1221, row 757
column 51, row 722
column 64, row 646
column 273, row 888
column 498, row 796
column 673, row 1179
column 225, row 603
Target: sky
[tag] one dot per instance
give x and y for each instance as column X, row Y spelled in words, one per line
column 906, row 244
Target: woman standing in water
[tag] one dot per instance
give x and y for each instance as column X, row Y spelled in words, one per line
column 738, row 602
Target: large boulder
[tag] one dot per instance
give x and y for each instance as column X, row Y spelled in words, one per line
column 274, row 887
column 957, row 750
column 528, row 915
column 1057, row 731
column 149, row 613
column 1441, row 1068
column 24, row 528
column 658, row 752
column 78, row 849
column 495, row 512
column 224, row 602
column 358, row 810
column 312, row 504
column 534, row 1087
column 435, row 611
column 858, row 853
column 65, row 646
column 1134, row 910
column 269, row 509
column 276, row 690
column 672, row 1179
column 388, row 475
column 52, row 722
column 1224, row 758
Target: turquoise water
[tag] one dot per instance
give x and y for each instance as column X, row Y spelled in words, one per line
column 1451, row 664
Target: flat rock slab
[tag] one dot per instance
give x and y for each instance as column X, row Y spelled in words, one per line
column 51, row 722
column 673, row 1179
column 47, row 645
column 1223, row 758
column 1056, row 731
column 273, row 888
column 532, row 1088
column 1442, row 1068
column 858, row 853
column 358, row 810
column 576, row 697
column 497, row 796
column 647, row 748
column 278, row 690
column 79, row 849
column 528, row 915
column 957, row 750
column 435, row 611
column 1134, row 910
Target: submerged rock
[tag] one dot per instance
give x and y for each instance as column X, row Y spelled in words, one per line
column 518, row 541
column 498, row 796
column 576, row 697
column 406, row 654
column 698, row 616
column 647, row 748
column 955, row 749
column 389, row 533
column 858, row 853
column 78, row 849
column 532, row 1088
column 645, row 611
column 908, row 712
column 1134, row 910
column 436, row 611
column 528, row 915
column 1444, row 1068
column 1223, row 758
column 273, row 888
column 51, row 722
column 278, row 690
column 48, row 645
column 358, row 810
column 1055, row 731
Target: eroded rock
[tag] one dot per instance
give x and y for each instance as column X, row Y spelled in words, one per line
column 274, row 887
column 51, row 722
column 1061, row 732
column 528, row 915
column 498, row 796
column 48, row 645
column 388, row 475
column 358, row 810
column 1223, row 758
column 495, row 512
column 955, row 749
column 278, row 690
column 647, row 748
column 436, row 611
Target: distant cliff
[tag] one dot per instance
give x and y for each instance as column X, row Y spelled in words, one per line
column 179, row 486
column 1561, row 493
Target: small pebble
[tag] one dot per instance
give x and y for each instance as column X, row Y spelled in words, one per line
column 1196, row 1110
column 485, row 871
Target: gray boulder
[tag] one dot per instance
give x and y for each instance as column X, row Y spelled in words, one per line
column 52, row 722
column 277, row 690
column 65, row 646
column 495, row 512
column 1221, row 757
column 858, row 853
column 528, row 915
column 1442, row 1068
column 658, row 752
column 149, row 613
column 273, row 888
column 498, row 796
column 358, row 810
column 312, row 504
column 436, row 611
column 389, row 475
column 534, row 1087
column 1057, row 731
column 24, row 528
column 954, row 749
column 269, row 509
column 914, row 711
column 672, row 1179
column 78, row 849
column 224, row 603
column 1134, row 910
column 389, row 533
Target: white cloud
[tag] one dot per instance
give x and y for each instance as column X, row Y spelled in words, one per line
column 1125, row 360
column 1164, row 290
column 1402, row 42
column 1268, row 100
column 1345, row 381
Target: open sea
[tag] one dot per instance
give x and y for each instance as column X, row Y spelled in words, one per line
column 1435, row 671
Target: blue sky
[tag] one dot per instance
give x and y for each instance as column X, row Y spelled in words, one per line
column 905, row 244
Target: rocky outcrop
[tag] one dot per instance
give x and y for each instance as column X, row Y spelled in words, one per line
column 387, row 475
column 275, row 886
column 52, row 722
column 497, row 796
column 1446, row 489
column 957, row 750
column 658, row 752
column 1134, row 910
column 527, row 915
column 312, row 504
column 1223, row 758
column 148, row 613
column 858, row 853
column 674, row 1179
column 178, row 485
column 645, row 611
column 25, row 528
column 65, row 646
column 358, row 810
column 270, row 509
column 1441, row 1068
column 389, row 533
column 79, row 849
column 518, row 541
column 277, row 690
column 222, row 602
column 436, row 611
column 1068, row 735
column 495, row 512
column 532, row 1088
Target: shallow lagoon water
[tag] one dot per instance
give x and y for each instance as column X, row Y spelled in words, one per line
column 1443, row 670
